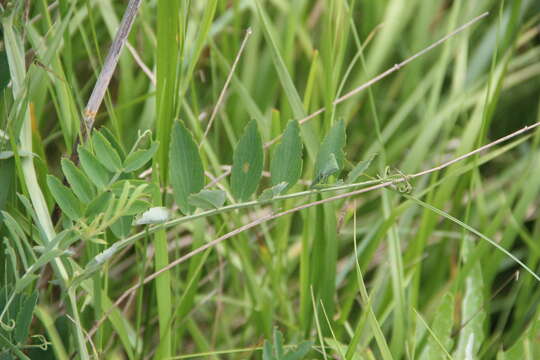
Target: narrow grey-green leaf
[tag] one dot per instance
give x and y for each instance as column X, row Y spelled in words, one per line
column 359, row 169
column 97, row 173
column 138, row 158
column 65, row 198
column 24, row 317
column 186, row 169
column 332, row 144
column 207, row 199
column 99, row 204
column 286, row 164
column 105, row 152
column 80, row 184
column 275, row 190
column 247, row 163
column 113, row 140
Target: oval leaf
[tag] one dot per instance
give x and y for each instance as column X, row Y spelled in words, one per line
column 106, row 154
column 97, row 173
column 186, row 170
column 207, row 199
column 137, row 159
column 99, row 204
column 332, row 144
column 287, row 161
column 81, row 186
column 68, row 202
column 247, row 163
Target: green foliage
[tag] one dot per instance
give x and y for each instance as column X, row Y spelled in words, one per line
column 97, row 173
column 247, row 163
column 187, row 174
column 331, row 157
column 286, row 165
column 137, row 159
column 65, row 198
column 207, row 199
column 359, row 169
column 80, row 184
column 105, row 226
column 105, row 153
column 275, row 350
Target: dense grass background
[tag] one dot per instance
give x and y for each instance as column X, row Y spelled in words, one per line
column 415, row 286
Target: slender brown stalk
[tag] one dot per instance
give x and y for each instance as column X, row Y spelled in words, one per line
column 104, row 78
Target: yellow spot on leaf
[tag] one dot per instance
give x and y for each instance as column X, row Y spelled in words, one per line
column 245, row 168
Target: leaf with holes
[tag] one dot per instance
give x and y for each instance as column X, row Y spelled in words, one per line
column 287, row 161
column 247, row 163
column 207, row 199
column 186, row 169
column 332, row 144
column 68, row 202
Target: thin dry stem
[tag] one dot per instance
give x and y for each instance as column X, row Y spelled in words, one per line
column 261, row 220
column 104, row 78
column 225, row 86
column 391, row 70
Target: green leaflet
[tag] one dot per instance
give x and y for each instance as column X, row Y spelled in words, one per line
column 247, row 163
column 137, row 159
column 81, row 186
column 4, row 71
column 276, row 351
column 359, row 169
column 113, row 140
column 186, row 169
column 68, row 202
column 332, row 144
column 275, row 190
column 207, row 199
column 287, row 160
column 99, row 204
column 24, row 317
column 97, row 173
column 105, row 152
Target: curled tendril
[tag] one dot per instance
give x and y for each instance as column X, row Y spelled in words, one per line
column 8, row 327
column 44, row 344
column 400, row 181
column 404, row 186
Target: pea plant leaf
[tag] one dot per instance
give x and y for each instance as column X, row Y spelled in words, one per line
column 287, row 160
column 139, row 158
column 359, row 169
column 186, row 169
column 80, row 184
column 274, row 191
column 331, row 157
column 105, row 152
column 207, row 199
column 97, row 173
column 276, row 350
column 65, row 198
column 24, row 317
column 247, row 163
